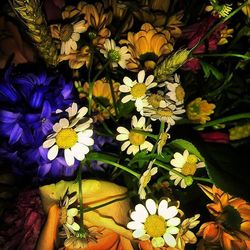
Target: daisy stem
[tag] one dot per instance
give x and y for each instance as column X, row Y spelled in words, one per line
column 223, row 120
column 225, row 55
column 113, row 94
column 223, row 20
column 202, row 179
column 91, row 85
column 120, row 166
column 162, row 127
column 80, row 196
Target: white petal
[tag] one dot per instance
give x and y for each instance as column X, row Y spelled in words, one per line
column 72, row 212
column 135, row 225
column 142, row 212
column 52, row 153
column 127, row 98
column 173, row 221
column 122, row 137
column 133, row 149
column 171, row 212
column 48, row 143
column 82, row 126
column 169, row 239
column 75, row 226
column 79, row 151
column 162, row 209
column 122, row 130
column 82, row 112
column 147, row 145
column 57, row 127
column 128, row 81
column 125, row 145
column 75, row 36
column 151, row 206
column 141, row 122
column 124, row 88
column 64, row 123
column 139, row 233
column 172, row 230
column 141, row 76
column 69, row 158
column 149, row 80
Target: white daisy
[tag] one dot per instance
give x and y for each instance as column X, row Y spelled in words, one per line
column 70, row 34
column 115, row 54
column 167, row 112
column 67, row 215
column 134, row 141
column 155, row 223
column 186, row 164
column 72, row 135
column 176, row 92
column 145, row 179
column 137, row 89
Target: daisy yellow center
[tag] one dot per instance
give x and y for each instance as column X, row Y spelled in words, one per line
column 66, row 32
column 166, row 112
column 154, row 100
column 136, row 139
column 155, row 226
column 114, row 56
column 180, row 93
column 63, row 215
column 138, row 90
column 66, row 138
column 189, row 167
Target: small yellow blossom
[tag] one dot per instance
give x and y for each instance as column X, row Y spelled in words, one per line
column 199, row 110
column 246, row 9
column 239, row 132
column 224, row 34
column 162, row 140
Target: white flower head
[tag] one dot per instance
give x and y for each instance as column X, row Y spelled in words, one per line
column 186, row 164
column 134, row 141
column 70, row 34
column 155, row 223
column 166, row 112
column 136, row 90
column 145, row 179
column 176, row 92
column 115, row 54
column 67, row 215
column 72, row 135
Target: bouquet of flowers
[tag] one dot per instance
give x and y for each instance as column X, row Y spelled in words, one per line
column 124, row 125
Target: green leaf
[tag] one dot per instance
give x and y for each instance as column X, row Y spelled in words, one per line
column 141, row 158
column 96, row 156
column 210, row 69
column 183, row 144
column 125, row 109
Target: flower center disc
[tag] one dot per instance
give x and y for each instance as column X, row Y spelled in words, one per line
column 114, row 56
column 138, row 90
column 166, row 112
column 63, row 215
column 155, row 226
column 154, row 100
column 136, row 138
column 66, row 138
column 189, row 168
column 180, row 93
column 66, row 32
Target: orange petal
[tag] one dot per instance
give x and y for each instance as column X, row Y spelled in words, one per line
column 212, row 233
column 49, row 232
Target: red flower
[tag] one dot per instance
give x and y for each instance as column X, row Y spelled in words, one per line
column 22, row 224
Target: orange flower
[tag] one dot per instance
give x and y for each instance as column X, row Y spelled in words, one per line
column 199, row 110
column 103, row 104
column 106, row 223
column 97, row 19
column 147, row 46
column 147, row 245
column 231, row 228
column 224, row 34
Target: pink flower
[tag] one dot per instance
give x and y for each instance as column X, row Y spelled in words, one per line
column 21, row 225
column 215, row 136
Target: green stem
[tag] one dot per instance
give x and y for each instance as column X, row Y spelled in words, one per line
column 162, row 127
column 223, row 120
column 113, row 95
column 202, row 179
column 109, row 202
column 208, row 34
column 80, row 196
column 225, row 55
column 121, row 167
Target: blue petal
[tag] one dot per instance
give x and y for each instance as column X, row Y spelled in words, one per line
column 37, row 99
column 44, row 169
column 47, row 126
column 31, row 118
column 8, row 116
column 56, row 168
column 46, row 111
column 9, row 92
column 16, row 133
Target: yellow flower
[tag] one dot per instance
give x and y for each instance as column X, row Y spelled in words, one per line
column 239, row 132
column 199, row 110
column 224, row 34
column 147, row 46
column 103, row 103
column 246, row 9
